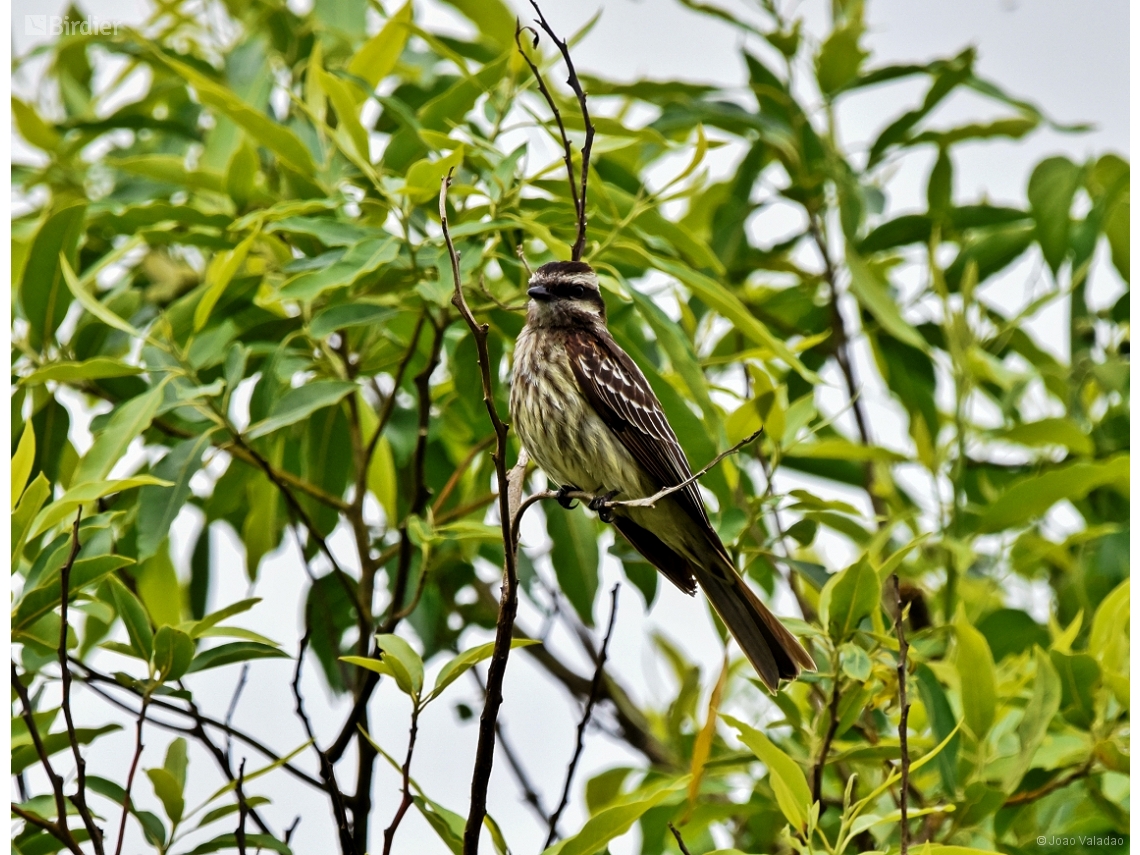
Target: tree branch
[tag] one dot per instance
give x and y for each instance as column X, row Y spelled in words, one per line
column 94, row 832
column 63, row 833
column 832, row 726
column 508, row 601
column 406, row 801
column 131, row 774
column 595, row 686
column 576, row 85
column 904, row 710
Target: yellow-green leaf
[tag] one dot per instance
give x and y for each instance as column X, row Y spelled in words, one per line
column 22, row 462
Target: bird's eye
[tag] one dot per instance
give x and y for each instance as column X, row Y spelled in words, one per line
column 575, row 292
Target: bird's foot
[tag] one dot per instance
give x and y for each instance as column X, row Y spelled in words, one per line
column 600, row 505
column 566, row 501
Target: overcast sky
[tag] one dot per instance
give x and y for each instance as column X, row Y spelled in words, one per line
column 1070, row 57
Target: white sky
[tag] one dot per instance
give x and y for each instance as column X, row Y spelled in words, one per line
column 1068, row 56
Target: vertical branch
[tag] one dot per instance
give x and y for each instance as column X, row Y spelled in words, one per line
column 508, row 601
column 131, row 773
column 904, row 710
column 832, row 726
column 406, row 801
column 595, row 686
column 680, row 840
column 239, row 834
column 58, row 829
column 577, row 191
column 842, row 348
column 94, row 833
column 576, row 85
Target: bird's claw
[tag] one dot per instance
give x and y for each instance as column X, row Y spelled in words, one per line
column 600, row 506
column 566, row 501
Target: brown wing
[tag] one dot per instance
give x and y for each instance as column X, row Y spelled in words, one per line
column 620, row 394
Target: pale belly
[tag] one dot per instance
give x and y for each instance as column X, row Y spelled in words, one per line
column 563, row 434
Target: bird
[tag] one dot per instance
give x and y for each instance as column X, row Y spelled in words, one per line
column 586, row 415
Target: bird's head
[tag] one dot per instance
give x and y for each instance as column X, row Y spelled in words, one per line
column 565, row 293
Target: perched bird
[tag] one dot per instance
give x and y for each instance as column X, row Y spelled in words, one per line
column 589, row 419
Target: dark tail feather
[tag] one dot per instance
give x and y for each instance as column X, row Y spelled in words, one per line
column 773, row 651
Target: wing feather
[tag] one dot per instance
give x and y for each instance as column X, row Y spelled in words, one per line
column 623, row 398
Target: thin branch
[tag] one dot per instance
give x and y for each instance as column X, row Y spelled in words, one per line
column 62, row 833
column 832, row 727
column 680, row 840
column 328, row 772
column 530, row 793
column 595, row 686
column 841, row 346
column 508, row 600
column 576, row 85
column 131, row 774
column 406, row 801
column 904, row 710
column 239, row 833
column 644, row 502
column 567, row 151
column 1028, row 796
column 50, row 827
column 460, row 470
column 94, row 832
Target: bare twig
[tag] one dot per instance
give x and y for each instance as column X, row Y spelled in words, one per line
column 328, row 772
column 904, row 710
column 576, row 85
column 680, row 840
column 832, row 727
column 406, row 801
column 94, row 832
column 61, row 832
column 239, row 833
column 1027, row 796
column 643, row 502
column 131, row 773
column 508, row 601
column 595, row 686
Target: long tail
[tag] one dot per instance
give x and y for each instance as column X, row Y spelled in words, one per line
column 773, row 651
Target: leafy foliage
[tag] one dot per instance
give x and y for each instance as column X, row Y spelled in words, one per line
column 240, row 270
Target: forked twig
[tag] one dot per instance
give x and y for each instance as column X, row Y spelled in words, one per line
column 578, row 194
column 904, row 710
column 595, row 686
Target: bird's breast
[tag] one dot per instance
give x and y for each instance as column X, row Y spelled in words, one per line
column 560, row 429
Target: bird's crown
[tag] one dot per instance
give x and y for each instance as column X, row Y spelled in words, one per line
column 556, row 276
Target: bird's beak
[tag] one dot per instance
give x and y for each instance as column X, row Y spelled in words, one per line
column 539, row 293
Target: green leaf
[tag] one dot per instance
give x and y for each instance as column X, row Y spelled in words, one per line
column 1080, row 677
column 53, row 743
column 1039, row 712
column 159, row 506
column 173, row 652
column 22, row 462
column 943, row 724
column 345, row 316
column 423, row 178
column 873, row 293
column 1052, row 186
column 48, row 594
column 92, row 369
column 575, row 558
column 24, row 515
column 235, row 651
column 855, row 662
column 96, row 308
column 253, row 842
column 617, row 818
column 1030, row 497
column 847, row 598
column 196, row 628
column 975, row 666
column 458, row 666
column 299, row 403
column 361, row 259
column 273, row 135
column 382, row 478
column 378, row 56
column 221, row 271
column 168, row 792
column 399, row 661
column 840, row 58
column 447, row 824
column 494, row 18
column 787, row 778
column 176, row 761
column 729, row 305
column 34, row 129
column 1051, row 431
column 44, row 297
column 134, row 619
column 127, row 421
